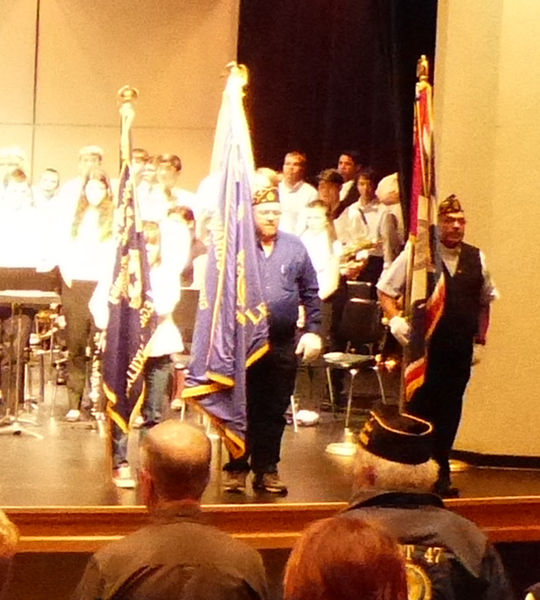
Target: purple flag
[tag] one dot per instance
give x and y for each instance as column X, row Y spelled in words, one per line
column 132, row 318
column 231, row 328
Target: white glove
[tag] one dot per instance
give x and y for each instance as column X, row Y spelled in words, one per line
column 309, row 346
column 478, row 353
column 400, row 329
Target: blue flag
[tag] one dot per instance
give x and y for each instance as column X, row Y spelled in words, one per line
column 132, row 318
column 231, row 329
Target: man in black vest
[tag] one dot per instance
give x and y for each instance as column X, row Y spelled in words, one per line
column 460, row 331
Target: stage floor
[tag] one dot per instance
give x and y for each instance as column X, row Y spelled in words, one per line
column 68, row 467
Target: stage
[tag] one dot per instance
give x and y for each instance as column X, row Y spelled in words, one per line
column 59, row 491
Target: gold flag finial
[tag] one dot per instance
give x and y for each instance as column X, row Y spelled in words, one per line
column 126, row 96
column 240, row 71
column 422, row 68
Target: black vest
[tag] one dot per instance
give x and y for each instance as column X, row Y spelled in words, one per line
column 463, row 291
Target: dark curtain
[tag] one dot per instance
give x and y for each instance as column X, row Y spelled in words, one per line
column 330, row 75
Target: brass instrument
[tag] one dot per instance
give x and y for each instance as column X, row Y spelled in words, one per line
column 96, row 394
column 350, row 250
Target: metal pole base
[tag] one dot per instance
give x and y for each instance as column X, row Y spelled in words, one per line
column 458, row 466
column 345, row 448
column 15, row 428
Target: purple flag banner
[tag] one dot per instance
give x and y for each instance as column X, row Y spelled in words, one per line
column 231, row 329
column 132, row 318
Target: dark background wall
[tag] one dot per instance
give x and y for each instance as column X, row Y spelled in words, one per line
column 328, row 75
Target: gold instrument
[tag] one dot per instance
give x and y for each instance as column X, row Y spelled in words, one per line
column 350, row 250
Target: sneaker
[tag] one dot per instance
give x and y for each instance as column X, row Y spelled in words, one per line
column 73, row 415
column 235, row 481
column 138, row 422
column 122, row 477
column 269, row 482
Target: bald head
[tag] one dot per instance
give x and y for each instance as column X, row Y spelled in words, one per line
column 176, row 458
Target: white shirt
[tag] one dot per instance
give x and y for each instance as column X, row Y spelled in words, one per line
column 324, row 256
column 360, row 223
column 293, row 201
column 392, row 280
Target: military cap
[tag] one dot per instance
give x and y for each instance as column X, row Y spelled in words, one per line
column 265, row 195
column 397, row 437
column 450, row 205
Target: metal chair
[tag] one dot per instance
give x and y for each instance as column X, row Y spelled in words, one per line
column 361, row 326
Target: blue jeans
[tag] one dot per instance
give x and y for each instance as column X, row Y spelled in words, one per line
column 157, row 380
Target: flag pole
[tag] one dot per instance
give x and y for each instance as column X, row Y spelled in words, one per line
column 422, row 75
column 127, row 96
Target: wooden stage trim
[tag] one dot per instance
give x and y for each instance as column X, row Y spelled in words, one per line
column 264, row 526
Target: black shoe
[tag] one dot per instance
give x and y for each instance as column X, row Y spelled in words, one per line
column 445, row 490
column 269, row 482
column 235, row 481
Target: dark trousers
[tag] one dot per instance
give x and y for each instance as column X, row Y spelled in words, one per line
column 15, row 332
column 440, row 398
column 269, row 385
column 79, row 327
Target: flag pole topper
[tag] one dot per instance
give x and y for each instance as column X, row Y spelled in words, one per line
column 422, row 69
column 126, row 96
column 239, row 71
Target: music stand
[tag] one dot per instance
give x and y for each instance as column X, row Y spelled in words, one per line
column 22, row 287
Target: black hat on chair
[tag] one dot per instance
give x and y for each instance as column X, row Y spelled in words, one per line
column 397, row 437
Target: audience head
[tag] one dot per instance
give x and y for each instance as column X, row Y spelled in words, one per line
column 9, row 536
column 90, row 157
column 452, row 222
column 17, row 187
column 366, row 184
column 394, row 453
column 96, row 195
column 388, row 190
column 294, row 167
column 169, row 167
column 349, row 164
column 266, row 213
column 184, row 215
column 317, row 215
column 11, row 158
column 49, row 182
column 175, row 463
column 149, row 170
column 264, row 178
column 97, row 187
column 139, row 157
column 345, row 559
column 329, row 186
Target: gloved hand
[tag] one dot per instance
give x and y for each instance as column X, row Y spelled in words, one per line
column 478, row 353
column 309, row 347
column 400, row 329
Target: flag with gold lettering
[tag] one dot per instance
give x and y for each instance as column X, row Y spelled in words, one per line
column 132, row 318
column 231, row 328
column 425, row 281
